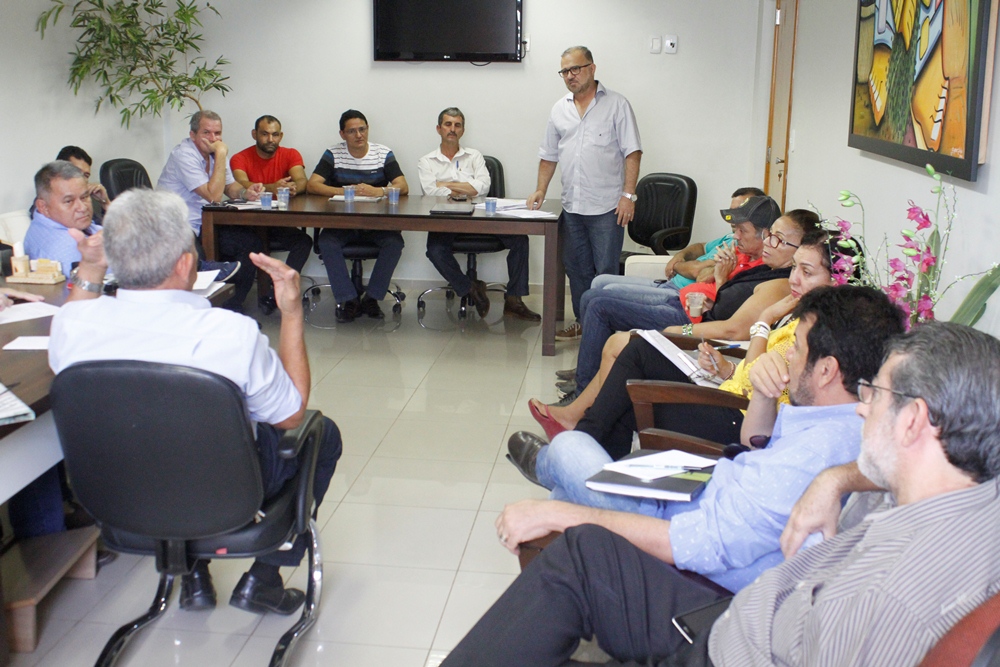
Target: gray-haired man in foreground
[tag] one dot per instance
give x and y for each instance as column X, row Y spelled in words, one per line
column 156, row 318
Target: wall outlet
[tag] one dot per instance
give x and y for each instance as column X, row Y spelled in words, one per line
column 670, row 43
column 655, row 44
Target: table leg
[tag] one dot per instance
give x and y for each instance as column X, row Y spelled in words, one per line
column 208, row 236
column 553, row 290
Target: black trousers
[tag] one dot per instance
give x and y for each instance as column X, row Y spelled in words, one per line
column 589, row 583
column 235, row 243
column 611, row 420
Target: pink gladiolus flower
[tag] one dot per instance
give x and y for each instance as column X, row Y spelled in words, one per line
column 843, row 225
column 896, row 266
column 925, row 308
column 927, row 260
column 918, row 215
column 897, row 292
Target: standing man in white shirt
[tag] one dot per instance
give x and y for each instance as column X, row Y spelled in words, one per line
column 593, row 135
column 456, row 170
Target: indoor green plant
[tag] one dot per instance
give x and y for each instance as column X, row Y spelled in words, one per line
column 141, row 54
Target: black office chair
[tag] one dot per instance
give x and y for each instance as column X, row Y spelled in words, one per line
column 145, row 462
column 474, row 244
column 123, row 174
column 664, row 214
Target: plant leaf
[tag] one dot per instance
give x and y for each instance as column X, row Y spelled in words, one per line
column 974, row 304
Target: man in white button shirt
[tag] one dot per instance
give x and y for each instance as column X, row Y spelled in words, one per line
column 592, row 135
column 453, row 169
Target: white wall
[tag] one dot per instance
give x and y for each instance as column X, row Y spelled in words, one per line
column 305, row 61
column 823, row 164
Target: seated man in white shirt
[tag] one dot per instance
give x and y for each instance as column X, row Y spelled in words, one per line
column 456, row 170
column 156, row 318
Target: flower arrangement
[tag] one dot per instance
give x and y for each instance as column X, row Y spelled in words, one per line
column 912, row 279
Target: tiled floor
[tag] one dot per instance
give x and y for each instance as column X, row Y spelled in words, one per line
column 411, row 556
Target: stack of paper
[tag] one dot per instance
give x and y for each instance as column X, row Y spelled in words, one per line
column 12, row 408
column 670, row 475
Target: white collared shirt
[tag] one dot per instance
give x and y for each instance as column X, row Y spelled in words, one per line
column 591, row 151
column 176, row 327
column 468, row 166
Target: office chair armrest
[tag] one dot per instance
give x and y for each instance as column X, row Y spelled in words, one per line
column 659, row 240
column 661, row 439
column 646, row 393
column 293, row 439
column 530, row 549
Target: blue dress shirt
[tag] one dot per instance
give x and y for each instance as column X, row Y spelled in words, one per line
column 732, row 534
column 48, row 239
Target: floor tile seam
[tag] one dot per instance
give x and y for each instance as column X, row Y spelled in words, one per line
column 239, row 651
column 415, row 568
column 41, row 658
column 409, row 506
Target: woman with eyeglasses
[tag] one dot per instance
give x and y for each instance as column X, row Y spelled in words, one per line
column 608, row 417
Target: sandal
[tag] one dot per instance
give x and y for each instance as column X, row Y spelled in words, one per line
column 547, row 421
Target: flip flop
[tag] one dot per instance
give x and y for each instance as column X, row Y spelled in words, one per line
column 547, row 421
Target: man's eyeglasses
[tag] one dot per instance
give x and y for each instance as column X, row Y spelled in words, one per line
column 357, row 131
column 775, row 241
column 574, row 70
column 866, row 392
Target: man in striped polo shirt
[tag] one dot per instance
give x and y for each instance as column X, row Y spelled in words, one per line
column 882, row 592
column 370, row 168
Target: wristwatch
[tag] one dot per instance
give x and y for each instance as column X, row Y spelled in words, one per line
column 85, row 285
column 632, row 198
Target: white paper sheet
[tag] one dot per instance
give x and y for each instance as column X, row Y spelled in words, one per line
column 661, row 464
column 27, row 311
column 28, row 343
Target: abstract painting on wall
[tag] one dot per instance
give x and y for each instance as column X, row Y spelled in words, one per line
column 923, row 73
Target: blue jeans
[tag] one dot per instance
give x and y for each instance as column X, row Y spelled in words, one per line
column 608, row 314
column 570, row 459
column 331, row 247
column 631, row 288
column 592, row 245
column 37, row 509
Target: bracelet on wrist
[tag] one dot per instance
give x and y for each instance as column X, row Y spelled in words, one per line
column 687, row 330
column 761, row 329
column 732, row 371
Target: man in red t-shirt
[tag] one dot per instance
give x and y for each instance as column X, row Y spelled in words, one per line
column 275, row 167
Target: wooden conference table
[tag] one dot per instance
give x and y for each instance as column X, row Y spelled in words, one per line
column 412, row 214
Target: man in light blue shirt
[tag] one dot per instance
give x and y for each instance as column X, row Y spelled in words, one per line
column 62, row 203
column 593, row 136
column 731, row 532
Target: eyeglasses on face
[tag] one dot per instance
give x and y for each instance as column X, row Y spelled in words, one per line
column 574, row 70
column 867, row 390
column 775, row 241
column 357, row 131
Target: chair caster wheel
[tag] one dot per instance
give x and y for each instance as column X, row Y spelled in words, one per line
column 397, row 309
column 449, row 295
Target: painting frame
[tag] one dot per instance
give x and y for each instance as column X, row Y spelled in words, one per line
column 919, row 130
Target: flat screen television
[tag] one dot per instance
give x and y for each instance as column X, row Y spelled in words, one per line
column 461, row 30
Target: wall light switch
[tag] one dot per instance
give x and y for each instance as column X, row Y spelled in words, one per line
column 670, row 43
column 655, row 44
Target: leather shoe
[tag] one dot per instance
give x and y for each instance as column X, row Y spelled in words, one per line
column 348, row 311
column 523, row 448
column 515, row 307
column 253, row 595
column 197, row 591
column 267, row 305
column 479, row 298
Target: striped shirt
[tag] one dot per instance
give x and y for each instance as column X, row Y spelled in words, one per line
column 882, row 593
column 339, row 168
